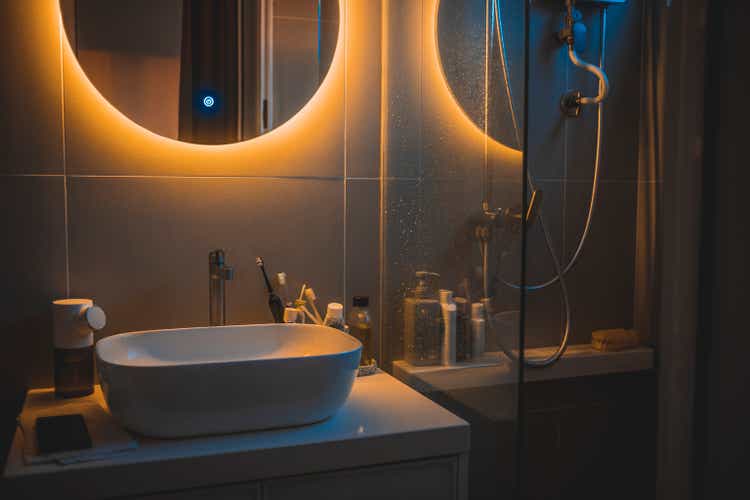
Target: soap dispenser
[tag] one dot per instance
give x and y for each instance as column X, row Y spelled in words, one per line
column 423, row 322
column 74, row 322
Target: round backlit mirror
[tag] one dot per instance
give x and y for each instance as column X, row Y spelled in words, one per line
column 204, row 71
column 481, row 52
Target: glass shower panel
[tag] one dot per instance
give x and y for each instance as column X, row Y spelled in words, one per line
column 453, row 73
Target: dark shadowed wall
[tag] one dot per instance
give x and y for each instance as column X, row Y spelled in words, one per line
column 722, row 453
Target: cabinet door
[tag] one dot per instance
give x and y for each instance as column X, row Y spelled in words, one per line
column 426, row 480
column 232, row 492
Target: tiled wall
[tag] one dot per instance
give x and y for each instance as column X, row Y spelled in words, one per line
column 561, row 157
column 95, row 207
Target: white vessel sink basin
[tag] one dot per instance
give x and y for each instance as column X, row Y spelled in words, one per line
column 193, row 381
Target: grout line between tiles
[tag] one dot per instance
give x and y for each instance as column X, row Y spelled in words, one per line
column 64, row 158
column 225, row 177
column 601, row 181
column 384, row 13
column 32, row 175
column 310, row 177
column 565, row 179
column 209, row 177
column 347, row 27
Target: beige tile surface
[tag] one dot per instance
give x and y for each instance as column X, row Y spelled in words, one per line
column 140, row 246
column 363, row 95
column 363, row 246
column 30, row 88
column 601, row 284
column 33, row 275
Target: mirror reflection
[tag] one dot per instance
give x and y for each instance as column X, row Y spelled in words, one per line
column 204, row 71
column 484, row 67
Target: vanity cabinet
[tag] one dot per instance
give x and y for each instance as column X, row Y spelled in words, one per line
column 423, row 480
column 437, row 479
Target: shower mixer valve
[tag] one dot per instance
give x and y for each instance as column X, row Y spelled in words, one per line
column 510, row 218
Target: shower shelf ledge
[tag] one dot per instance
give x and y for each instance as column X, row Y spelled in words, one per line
column 495, row 368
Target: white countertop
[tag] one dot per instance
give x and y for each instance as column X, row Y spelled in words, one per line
column 495, row 368
column 383, row 421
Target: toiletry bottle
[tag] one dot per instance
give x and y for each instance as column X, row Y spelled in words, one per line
column 423, row 322
column 74, row 322
column 335, row 317
column 478, row 332
column 463, row 329
column 448, row 310
column 360, row 327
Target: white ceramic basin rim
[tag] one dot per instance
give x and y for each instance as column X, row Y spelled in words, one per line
column 209, row 380
column 224, row 344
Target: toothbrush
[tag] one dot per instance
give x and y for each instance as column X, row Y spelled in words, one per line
column 274, row 302
column 300, row 304
column 310, row 296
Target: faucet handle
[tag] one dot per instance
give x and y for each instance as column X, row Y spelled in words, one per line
column 218, row 267
column 216, row 257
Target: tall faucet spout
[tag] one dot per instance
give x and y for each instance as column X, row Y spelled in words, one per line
column 218, row 274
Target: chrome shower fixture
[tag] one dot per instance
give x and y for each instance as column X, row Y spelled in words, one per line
column 512, row 218
column 572, row 102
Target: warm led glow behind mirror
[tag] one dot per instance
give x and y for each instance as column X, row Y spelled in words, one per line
column 205, row 71
column 481, row 51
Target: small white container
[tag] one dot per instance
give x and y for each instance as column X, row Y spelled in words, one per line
column 449, row 334
column 335, row 316
column 478, row 330
column 291, row 315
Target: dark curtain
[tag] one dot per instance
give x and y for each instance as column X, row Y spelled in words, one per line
column 209, row 67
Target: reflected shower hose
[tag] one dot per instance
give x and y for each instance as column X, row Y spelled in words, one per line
column 560, row 271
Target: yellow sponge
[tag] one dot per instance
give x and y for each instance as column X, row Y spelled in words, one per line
column 615, row 339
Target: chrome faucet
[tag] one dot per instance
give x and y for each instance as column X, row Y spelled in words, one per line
column 218, row 274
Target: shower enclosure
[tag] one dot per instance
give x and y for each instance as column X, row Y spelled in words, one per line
column 515, row 223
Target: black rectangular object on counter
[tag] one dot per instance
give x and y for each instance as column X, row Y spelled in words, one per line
column 62, row 433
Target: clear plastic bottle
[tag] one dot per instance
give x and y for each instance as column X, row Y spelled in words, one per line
column 360, row 327
column 423, row 322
